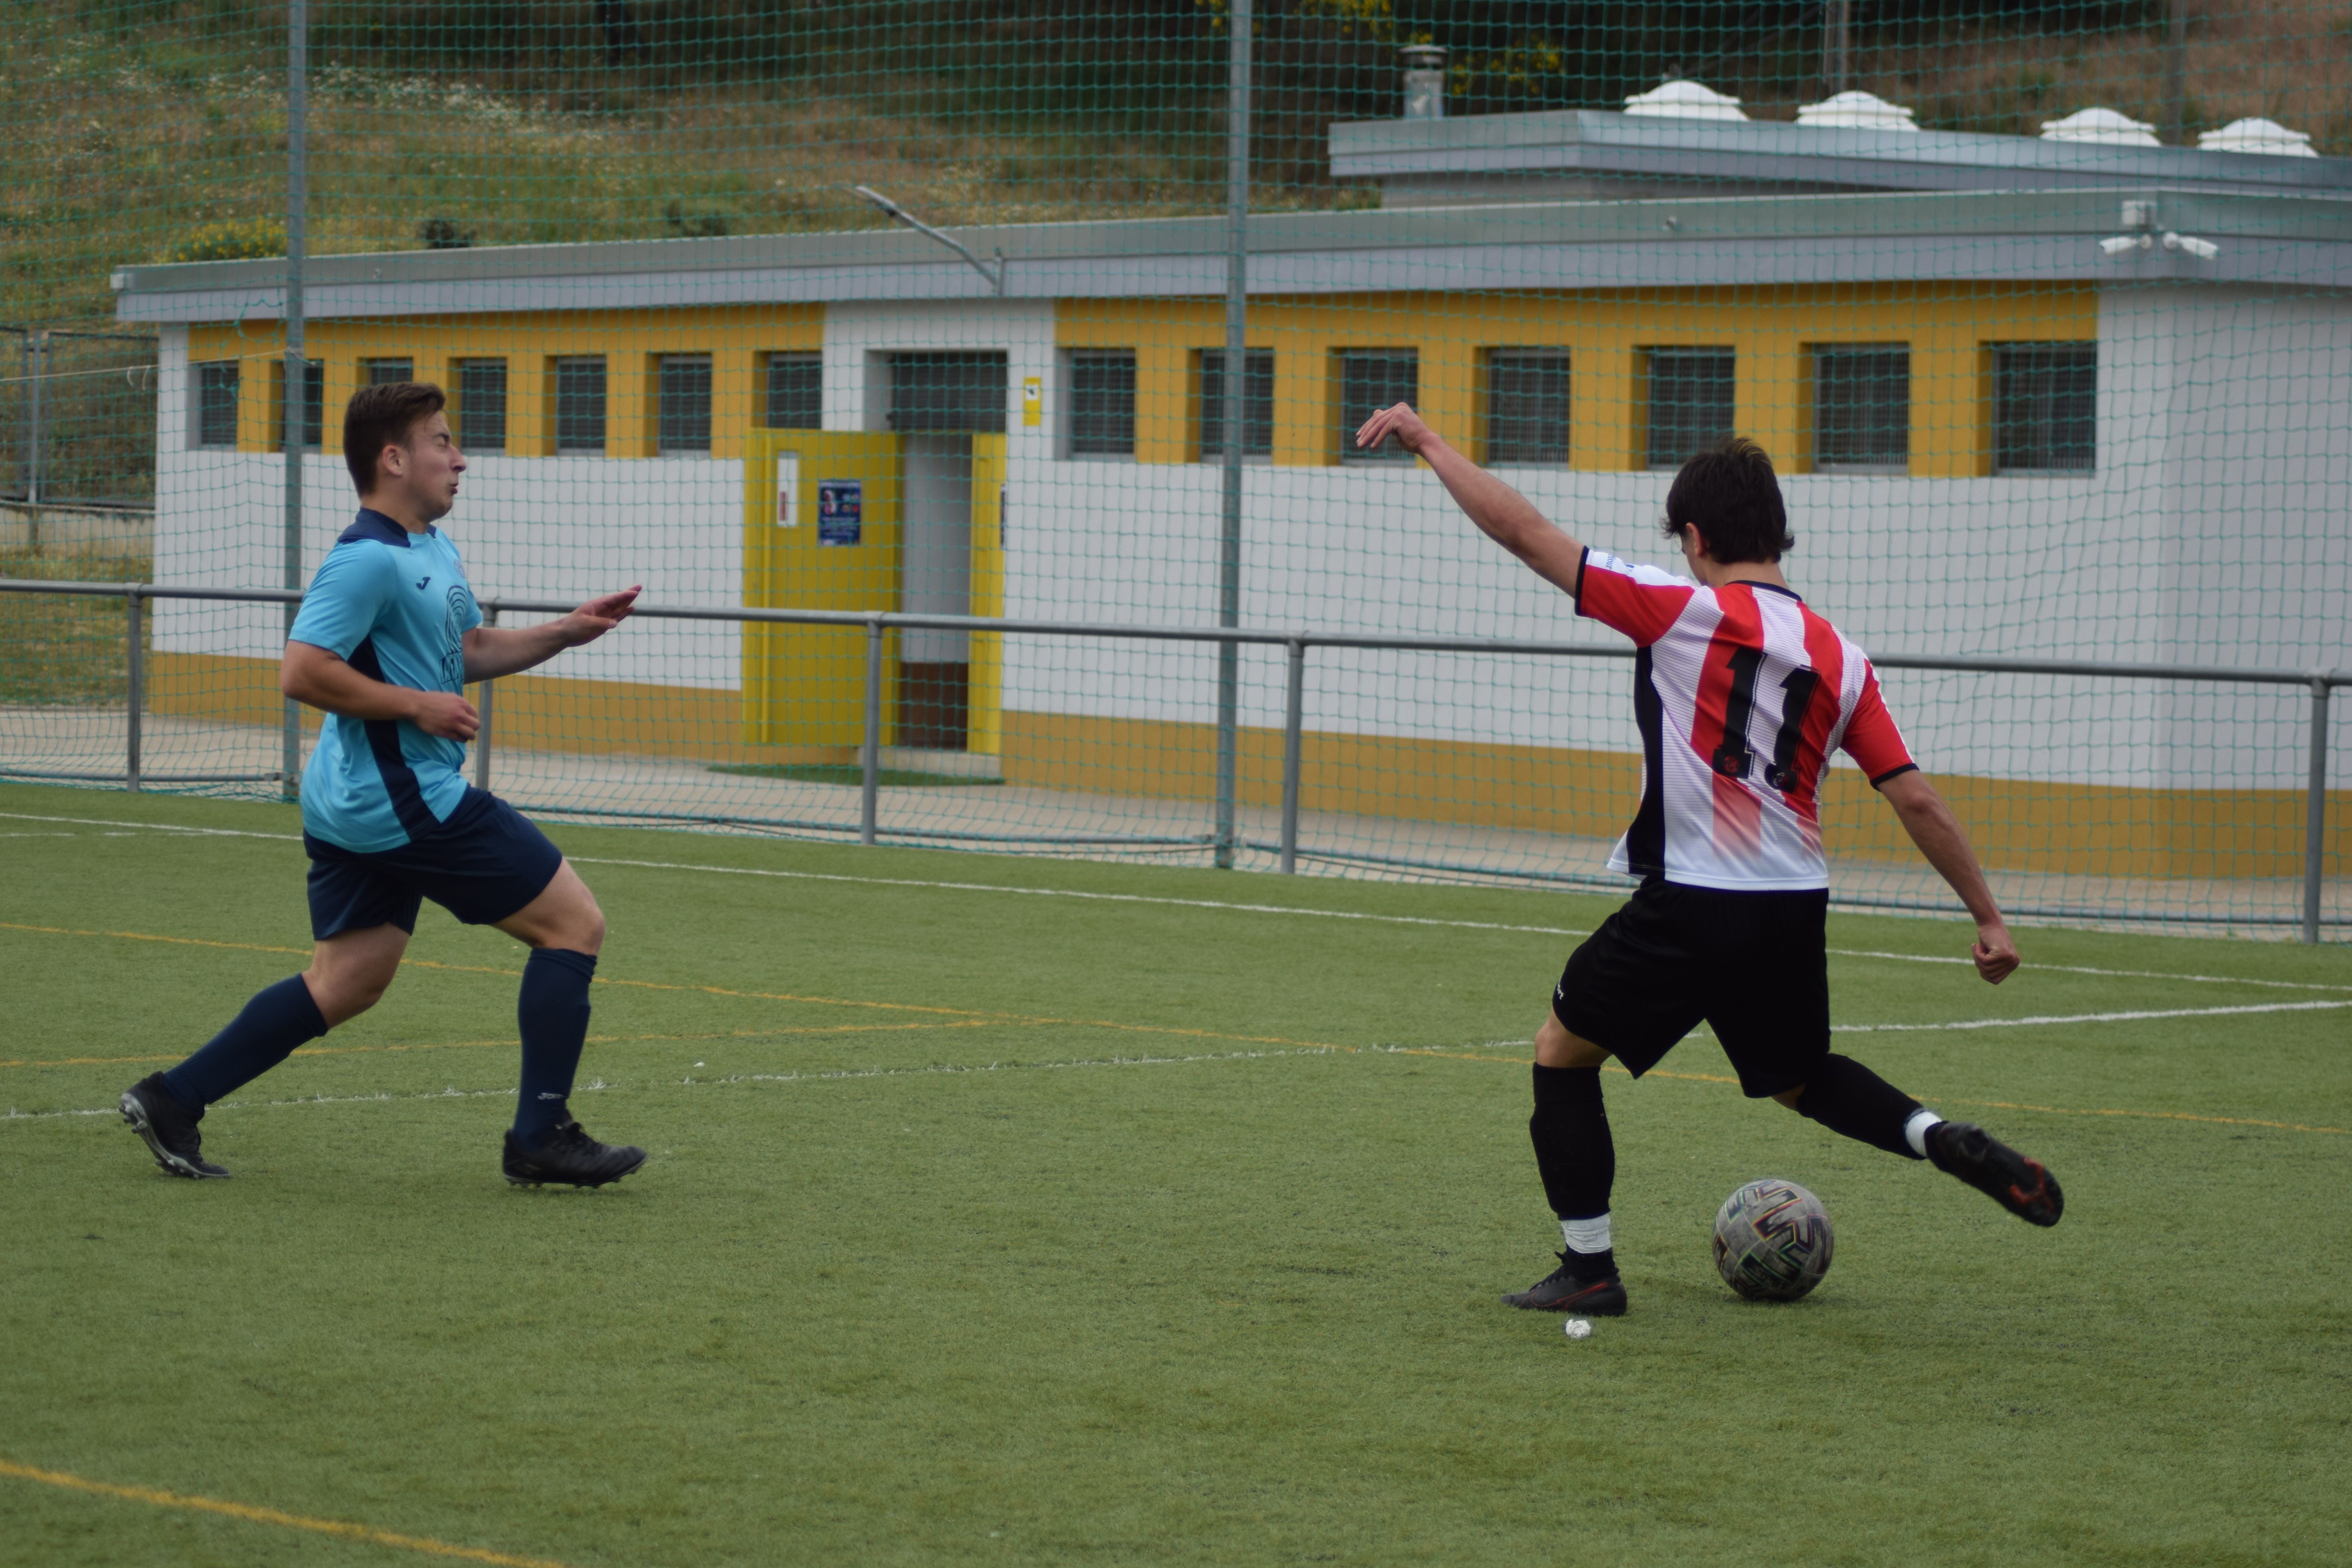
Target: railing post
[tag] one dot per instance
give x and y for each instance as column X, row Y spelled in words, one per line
column 870, row 755
column 2315, row 810
column 134, row 689
column 482, row 735
column 1292, row 709
column 36, row 357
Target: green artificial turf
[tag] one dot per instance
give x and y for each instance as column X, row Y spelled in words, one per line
column 985, row 1226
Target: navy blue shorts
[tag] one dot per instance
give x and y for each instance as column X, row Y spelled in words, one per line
column 1753, row 965
column 482, row 865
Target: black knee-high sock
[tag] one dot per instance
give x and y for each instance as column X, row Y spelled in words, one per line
column 1573, row 1149
column 552, row 1011
column 264, row 1034
column 1846, row 1097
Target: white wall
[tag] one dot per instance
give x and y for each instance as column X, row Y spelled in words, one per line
column 560, row 528
column 2216, row 528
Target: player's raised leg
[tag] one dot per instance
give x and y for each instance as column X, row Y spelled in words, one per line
column 1578, row 1161
column 1846, row 1097
column 564, row 930
column 349, row 972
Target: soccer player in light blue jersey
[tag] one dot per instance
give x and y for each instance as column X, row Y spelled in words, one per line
column 385, row 641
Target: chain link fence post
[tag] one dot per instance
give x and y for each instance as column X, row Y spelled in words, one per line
column 296, row 399
column 1236, row 377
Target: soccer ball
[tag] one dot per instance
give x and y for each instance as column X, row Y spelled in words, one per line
column 1772, row 1240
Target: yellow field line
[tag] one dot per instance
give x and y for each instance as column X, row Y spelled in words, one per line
column 979, row 1018
column 467, row 1044
column 1985, row 1104
column 254, row 1515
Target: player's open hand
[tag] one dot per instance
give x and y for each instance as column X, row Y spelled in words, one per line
column 1996, row 956
column 599, row 615
column 1398, row 420
column 446, row 714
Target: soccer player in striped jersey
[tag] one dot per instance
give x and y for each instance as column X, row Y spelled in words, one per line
column 1741, row 691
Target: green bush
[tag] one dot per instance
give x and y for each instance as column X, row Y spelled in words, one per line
column 235, row 240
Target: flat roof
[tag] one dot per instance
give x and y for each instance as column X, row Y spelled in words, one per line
column 2272, row 239
column 1652, row 148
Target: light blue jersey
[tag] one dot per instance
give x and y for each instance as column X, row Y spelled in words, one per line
column 395, row 606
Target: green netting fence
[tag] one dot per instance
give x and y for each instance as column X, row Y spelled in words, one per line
column 1060, row 314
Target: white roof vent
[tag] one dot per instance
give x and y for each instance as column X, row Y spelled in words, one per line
column 2258, row 136
column 1684, row 100
column 1859, row 111
column 2101, row 125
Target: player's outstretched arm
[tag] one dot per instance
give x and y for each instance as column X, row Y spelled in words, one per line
column 314, row 675
column 1938, row 834
column 494, row 651
column 1502, row 513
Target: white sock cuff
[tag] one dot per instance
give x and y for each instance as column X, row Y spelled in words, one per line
column 1915, row 1132
column 1586, row 1234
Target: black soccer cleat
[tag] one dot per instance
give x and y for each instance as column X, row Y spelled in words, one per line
column 569, row 1156
column 2017, row 1183
column 168, row 1128
column 1563, row 1290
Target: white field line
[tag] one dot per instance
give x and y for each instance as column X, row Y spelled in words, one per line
column 1202, row 904
column 2052, row 1018
column 598, row 1084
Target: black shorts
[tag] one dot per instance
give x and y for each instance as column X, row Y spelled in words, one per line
column 482, row 865
column 1755, row 967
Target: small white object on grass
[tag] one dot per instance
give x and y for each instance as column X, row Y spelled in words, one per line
column 1577, row 1329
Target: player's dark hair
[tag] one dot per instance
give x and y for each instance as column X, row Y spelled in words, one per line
column 1730, row 493
column 383, row 416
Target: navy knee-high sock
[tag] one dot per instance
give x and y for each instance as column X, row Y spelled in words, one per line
column 1574, row 1152
column 552, row 1011
column 276, row 1021
column 1846, row 1097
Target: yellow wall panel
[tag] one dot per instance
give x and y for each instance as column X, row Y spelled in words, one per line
column 630, row 341
column 1606, row 333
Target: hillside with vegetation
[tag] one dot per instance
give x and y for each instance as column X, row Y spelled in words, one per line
column 155, row 129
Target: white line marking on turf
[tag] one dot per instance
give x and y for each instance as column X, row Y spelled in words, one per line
column 2090, row 1017
column 837, row 1075
column 2090, row 969
column 1203, row 904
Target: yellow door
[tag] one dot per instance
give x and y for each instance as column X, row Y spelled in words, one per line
column 820, row 515
column 984, row 721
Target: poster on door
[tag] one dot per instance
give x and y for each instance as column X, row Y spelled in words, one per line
column 840, row 510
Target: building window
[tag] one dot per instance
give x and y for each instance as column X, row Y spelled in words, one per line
column 1527, row 406
column 1257, row 404
column 947, row 392
column 1690, row 405
column 1101, row 400
column 1862, row 408
column 1370, row 380
column 379, row 372
column 2045, row 408
column 314, row 401
column 683, row 398
column 216, row 404
column 482, row 404
column 795, row 392
column 580, row 403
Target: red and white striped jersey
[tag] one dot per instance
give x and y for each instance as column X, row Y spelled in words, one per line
column 1741, row 693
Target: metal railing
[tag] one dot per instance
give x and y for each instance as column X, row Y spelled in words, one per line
column 2319, row 683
